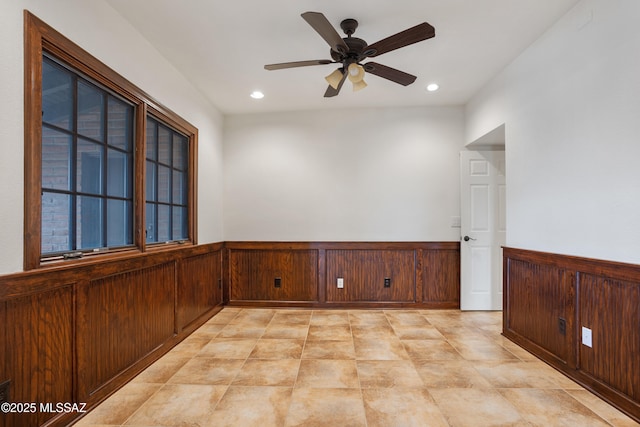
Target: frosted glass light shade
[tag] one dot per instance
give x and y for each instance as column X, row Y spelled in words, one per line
column 334, row 78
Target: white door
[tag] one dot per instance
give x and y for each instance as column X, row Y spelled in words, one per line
column 483, row 229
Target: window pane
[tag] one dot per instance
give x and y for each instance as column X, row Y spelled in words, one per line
column 89, row 223
column 179, row 152
column 179, row 188
column 151, row 181
column 119, row 127
column 119, row 220
column 56, row 159
column 152, row 227
column 164, row 184
column 164, row 145
column 89, row 167
column 152, row 139
column 56, row 223
column 179, row 223
column 119, row 178
column 57, row 95
column 164, row 223
column 90, row 111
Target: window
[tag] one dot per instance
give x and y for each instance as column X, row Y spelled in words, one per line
column 87, row 164
column 166, row 183
column 107, row 169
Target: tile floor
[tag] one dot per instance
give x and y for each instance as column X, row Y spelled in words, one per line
column 284, row 367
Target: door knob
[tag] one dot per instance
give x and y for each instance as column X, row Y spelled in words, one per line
column 467, row 238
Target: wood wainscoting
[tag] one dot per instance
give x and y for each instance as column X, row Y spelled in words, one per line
column 304, row 274
column 78, row 333
column 549, row 298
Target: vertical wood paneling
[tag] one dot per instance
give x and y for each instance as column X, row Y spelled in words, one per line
column 199, row 287
column 364, row 272
column 39, row 359
column 122, row 319
column 539, row 296
column 614, row 358
column 252, row 275
column 441, row 272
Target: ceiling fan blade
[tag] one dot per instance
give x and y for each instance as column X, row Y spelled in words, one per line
column 333, row 92
column 389, row 73
column 297, row 64
column 404, row 38
column 323, row 27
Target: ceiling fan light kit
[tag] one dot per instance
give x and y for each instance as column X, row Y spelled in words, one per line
column 350, row 51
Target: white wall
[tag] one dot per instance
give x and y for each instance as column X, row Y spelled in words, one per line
column 343, row 175
column 97, row 28
column 571, row 105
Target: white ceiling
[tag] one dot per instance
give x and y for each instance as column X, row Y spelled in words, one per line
column 221, row 47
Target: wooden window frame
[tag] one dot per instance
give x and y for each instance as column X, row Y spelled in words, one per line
column 40, row 38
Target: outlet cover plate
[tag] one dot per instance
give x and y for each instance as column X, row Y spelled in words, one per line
column 587, row 338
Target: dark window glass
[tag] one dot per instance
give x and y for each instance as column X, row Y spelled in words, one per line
column 166, row 184
column 87, row 164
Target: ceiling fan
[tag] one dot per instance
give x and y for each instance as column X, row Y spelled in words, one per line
column 350, row 51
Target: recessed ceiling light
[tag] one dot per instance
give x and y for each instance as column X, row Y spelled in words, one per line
column 256, row 94
column 432, row 87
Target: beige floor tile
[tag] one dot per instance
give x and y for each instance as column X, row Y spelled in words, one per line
column 368, row 318
column 373, row 331
column 294, row 317
column 239, row 330
column 406, row 318
column 312, row 407
column 329, row 332
column 121, row 405
column 329, row 318
column 228, row 348
column 388, row 374
column 430, row 350
column 602, row 408
column 205, row 370
column 163, row 369
column 259, row 372
column 401, row 408
column 379, row 349
column 320, row 373
column 226, row 315
column 251, row 407
column 552, row 407
column 480, row 349
column 286, row 330
column 464, row 407
column 258, row 317
column 516, row 374
column 178, row 405
column 449, row 374
column 207, row 331
column 426, row 332
column 190, row 346
column 339, row 350
column 277, row 349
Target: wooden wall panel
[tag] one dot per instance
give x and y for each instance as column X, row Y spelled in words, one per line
column 364, row 272
column 39, row 354
column 536, row 305
column 603, row 296
column 611, row 309
column 199, row 286
column 252, row 275
column 441, row 272
column 123, row 318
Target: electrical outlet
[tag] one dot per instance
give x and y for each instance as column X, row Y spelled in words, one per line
column 277, row 282
column 340, row 283
column 562, row 326
column 587, row 338
column 4, row 391
column 387, row 282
